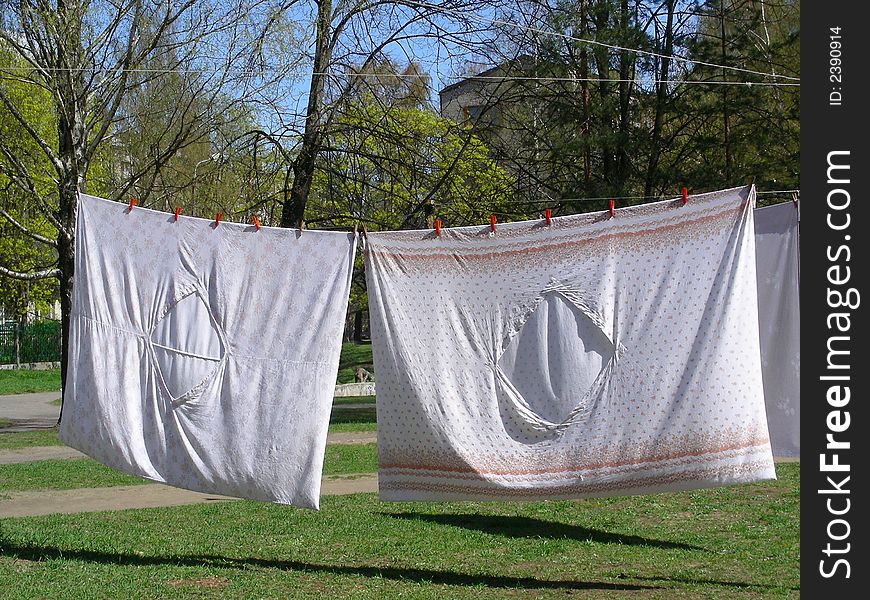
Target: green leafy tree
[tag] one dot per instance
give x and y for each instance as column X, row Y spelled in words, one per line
column 742, row 131
column 391, row 162
column 83, row 55
column 638, row 99
column 27, row 238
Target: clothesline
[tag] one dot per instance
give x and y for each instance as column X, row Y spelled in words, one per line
column 660, row 197
column 549, row 202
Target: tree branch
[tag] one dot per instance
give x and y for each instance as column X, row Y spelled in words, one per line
column 33, row 133
column 45, row 274
column 26, row 231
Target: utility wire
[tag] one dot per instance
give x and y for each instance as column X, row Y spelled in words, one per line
column 456, row 77
column 492, row 22
column 590, row 42
column 604, row 79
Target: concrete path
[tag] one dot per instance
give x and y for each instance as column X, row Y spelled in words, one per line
column 352, row 437
column 30, row 411
column 152, row 495
column 37, row 453
column 46, row 502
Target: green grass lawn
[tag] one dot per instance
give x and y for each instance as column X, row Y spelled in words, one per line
column 353, row 427
column 84, row 472
column 61, row 475
column 735, row 542
column 29, row 439
column 341, row 420
column 353, row 419
column 353, row 356
column 353, row 400
column 22, row 381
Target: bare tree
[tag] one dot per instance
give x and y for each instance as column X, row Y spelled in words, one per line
column 90, row 56
column 639, row 98
column 346, row 41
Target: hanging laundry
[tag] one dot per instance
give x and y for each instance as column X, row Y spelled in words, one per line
column 777, row 262
column 203, row 354
column 595, row 356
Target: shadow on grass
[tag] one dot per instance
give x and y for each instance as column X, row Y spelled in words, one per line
column 353, row 415
column 37, row 553
column 526, row 527
column 702, row 581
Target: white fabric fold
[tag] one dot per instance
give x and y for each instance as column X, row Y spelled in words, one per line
column 777, row 263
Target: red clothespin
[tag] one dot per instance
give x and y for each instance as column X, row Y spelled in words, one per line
column 217, row 219
column 132, row 204
column 177, row 212
column 685, row 196
column 256, row 222
column 438, row 227
column 547, row 216
column 492, row 223
column 612, row 204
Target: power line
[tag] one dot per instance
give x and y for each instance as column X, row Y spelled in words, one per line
column 412, row 76
column 604, row 79
column 592, row 42
column 505, row 78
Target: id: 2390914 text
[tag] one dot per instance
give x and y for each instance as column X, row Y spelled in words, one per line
column 835, row 67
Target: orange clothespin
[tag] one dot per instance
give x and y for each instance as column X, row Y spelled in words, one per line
column 132, row 204
column 547, row 216
column 612, row 204
column 177, row 212
column 217, row 219
column 685, row 196
column 256, row 222
column 492, row 223
column 438, row 227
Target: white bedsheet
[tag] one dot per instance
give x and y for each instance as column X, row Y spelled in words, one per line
column 595, row 356
column 204, row 356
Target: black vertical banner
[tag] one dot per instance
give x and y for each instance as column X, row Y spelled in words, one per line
column 835, row 231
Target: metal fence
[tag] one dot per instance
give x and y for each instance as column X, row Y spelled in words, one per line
column 36, row 342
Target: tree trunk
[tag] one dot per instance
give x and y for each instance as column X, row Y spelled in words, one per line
column 293, row 212
column 607, row 116
column 726, row 121
column 66, row 263
column 357, row 326
column 71, row 154
column 661, row 97
column 19, row 326
column 584, row 86
column 626, row 61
